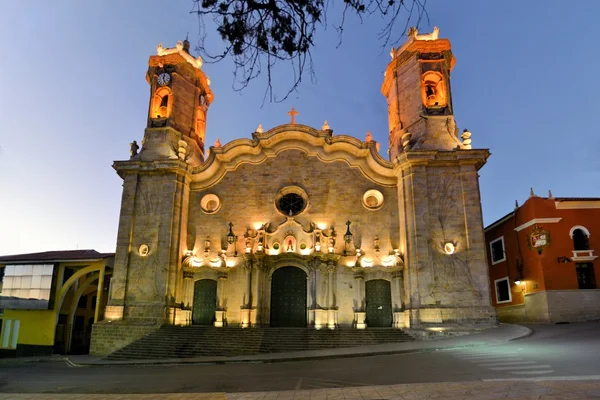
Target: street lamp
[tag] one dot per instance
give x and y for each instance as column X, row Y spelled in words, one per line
column 348, row 235
column 230, row 235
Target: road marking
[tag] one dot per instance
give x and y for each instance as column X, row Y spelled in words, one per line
column 487, row 356
column 548, row 371
column 499, row 364
column 548, row 378
column 521, row 367
column 495, row 359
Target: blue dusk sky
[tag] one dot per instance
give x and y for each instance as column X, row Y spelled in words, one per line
column 74, row 96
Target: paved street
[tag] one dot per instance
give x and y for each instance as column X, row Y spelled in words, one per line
column 551, row 352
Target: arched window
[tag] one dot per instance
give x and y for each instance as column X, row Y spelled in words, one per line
column 580, row 240
column 433, row 90
column 162, row 102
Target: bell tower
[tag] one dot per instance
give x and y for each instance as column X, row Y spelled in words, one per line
column 419, row 97
column 179, row 101
column 146, row 286
column 441, row 226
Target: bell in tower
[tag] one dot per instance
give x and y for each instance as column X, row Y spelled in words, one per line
column 417, row 88
column 180, row 97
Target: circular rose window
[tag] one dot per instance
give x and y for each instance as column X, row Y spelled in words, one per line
column 372, row 199
column 291, row 201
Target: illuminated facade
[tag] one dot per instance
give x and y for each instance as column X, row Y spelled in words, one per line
column 543, row 266
column 296, row 226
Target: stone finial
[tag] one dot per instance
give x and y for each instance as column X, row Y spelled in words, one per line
column 516, row 204
column 325, row 126
column 218, row 143
column 405, row 140
column 466, row 137
column 392, row 51
column 133, row 149
column 550, row 194
column 531, row 193
column 182, row 149
column 369, row 137
column 260, row 129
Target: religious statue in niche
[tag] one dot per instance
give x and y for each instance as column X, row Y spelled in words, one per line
column 200, row 125
column 433, row 90
column 289, row 243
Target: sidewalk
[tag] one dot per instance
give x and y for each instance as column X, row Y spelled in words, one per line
column 500, row 334
column 525, row 389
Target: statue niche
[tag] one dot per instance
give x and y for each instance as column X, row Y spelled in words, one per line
column 433, row 90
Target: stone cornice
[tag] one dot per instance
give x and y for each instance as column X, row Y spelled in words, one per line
column 151, row 167
column 412, row 158
column 320, row 144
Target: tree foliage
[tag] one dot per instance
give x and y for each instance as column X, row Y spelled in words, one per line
column 259, row 34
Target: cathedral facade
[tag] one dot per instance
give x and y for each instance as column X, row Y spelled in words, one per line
column 297, row 226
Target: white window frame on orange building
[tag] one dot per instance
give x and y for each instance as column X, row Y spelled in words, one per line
column 494, row 262
column 509, row 290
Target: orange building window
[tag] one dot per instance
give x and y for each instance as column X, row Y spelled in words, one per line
column 580, row 240
column 162, row 103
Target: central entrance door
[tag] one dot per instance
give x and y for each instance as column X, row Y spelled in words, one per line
column 379, row 303
column 288, row 297
column 205, row 302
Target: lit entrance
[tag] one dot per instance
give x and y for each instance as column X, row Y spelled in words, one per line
column 379, row 303
column 288, row 297
column 205, row 302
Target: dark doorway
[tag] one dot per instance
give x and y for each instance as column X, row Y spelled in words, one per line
column 379, row 303
column 288, row 297
column 205, row 302
column 585, row 276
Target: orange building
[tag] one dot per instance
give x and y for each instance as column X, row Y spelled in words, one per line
column 542, row 263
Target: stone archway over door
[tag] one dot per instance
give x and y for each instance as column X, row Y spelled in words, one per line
column 205, row 302
column 379, row 303
column 288, row 297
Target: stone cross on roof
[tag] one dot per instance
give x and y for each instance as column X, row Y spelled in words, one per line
column 293, row 114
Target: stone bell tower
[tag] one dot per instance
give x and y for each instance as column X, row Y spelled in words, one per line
column 417, row 88
column 441, row 226
column 145, row 289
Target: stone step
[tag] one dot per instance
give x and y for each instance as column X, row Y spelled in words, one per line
column 195, row 341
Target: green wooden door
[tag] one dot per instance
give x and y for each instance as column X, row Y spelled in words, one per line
column 379, row 303
column 288, row 297
column 205, row 302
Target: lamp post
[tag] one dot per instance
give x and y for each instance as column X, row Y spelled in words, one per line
column 347, row 237
column 231, row 238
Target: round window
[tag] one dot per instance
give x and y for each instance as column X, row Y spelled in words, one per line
column 291, row 201
column 210, row 204
column 372, row 199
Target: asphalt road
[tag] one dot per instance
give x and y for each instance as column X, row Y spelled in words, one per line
column 551, row 351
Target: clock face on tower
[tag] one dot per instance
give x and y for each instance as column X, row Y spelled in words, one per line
column 164, row 79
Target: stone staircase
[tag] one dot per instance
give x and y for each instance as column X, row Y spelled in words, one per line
column 197, row 341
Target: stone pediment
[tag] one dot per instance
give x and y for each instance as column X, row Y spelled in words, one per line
column 320, row 144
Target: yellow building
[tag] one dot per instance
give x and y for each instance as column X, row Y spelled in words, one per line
column 48, row 300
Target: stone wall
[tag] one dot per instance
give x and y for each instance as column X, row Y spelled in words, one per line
column 108, row 337
column 554, row 306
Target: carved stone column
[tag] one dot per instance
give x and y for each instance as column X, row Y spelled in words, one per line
column 221, row 306
column 331, row 308
column 246, row 310
column 183, row 316
column 256, row 298
column 360, row 314
column 318, row 314
column 398, row 298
